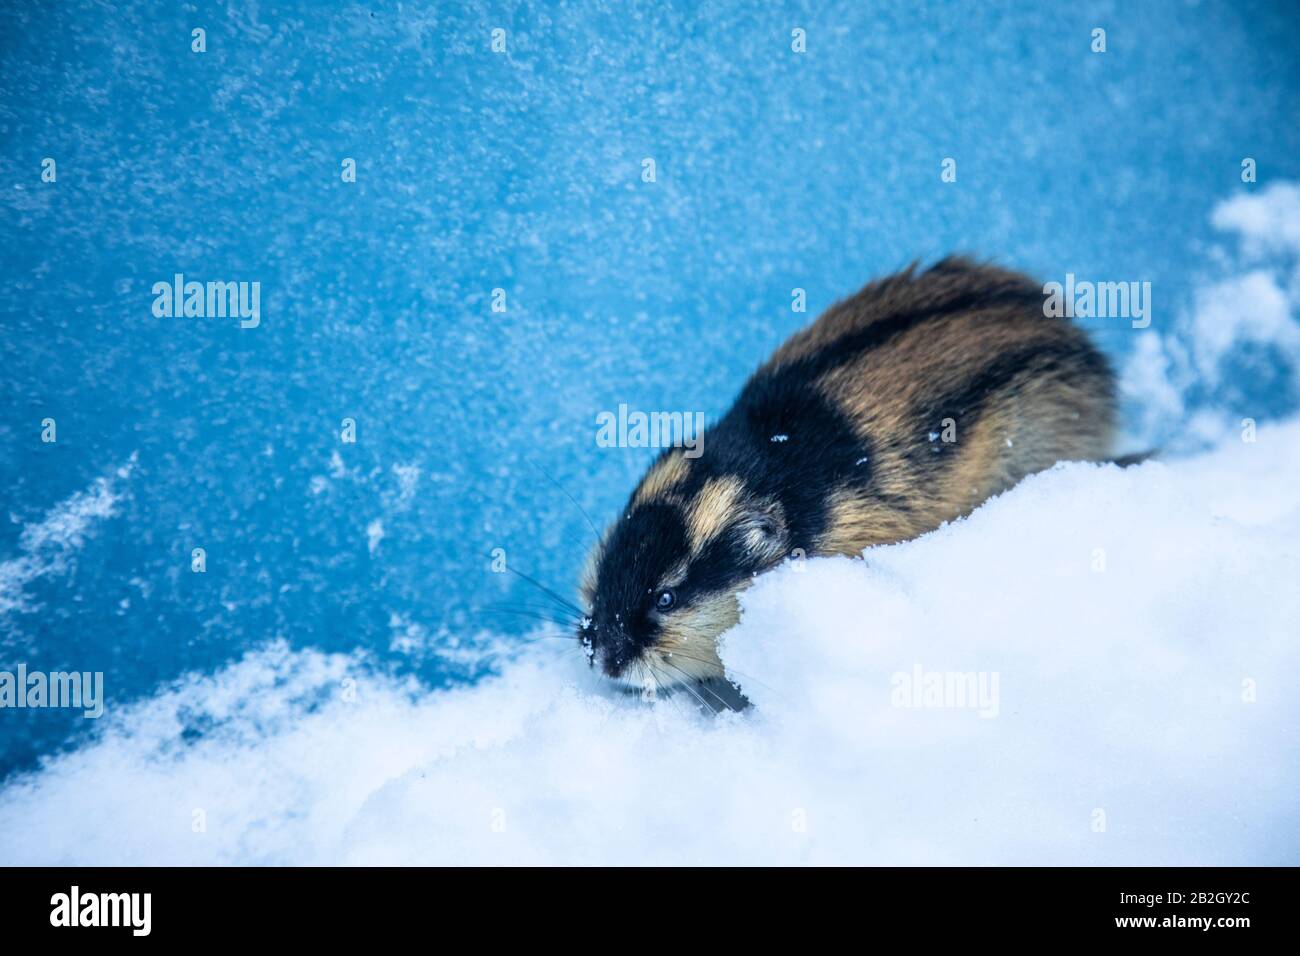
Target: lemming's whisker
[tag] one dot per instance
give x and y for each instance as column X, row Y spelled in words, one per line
column 669, row 693
column 727, row 669
column 493, row 658
column 722, row 704
column 550, row 637
column 582, row 546
column 547, row 609
column 660, row 691
column 688, row 686
column 591, row 524
column 698, row 699
column 569, row 605
column 531, row 614
column 698, row 684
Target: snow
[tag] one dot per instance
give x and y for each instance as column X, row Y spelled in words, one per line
column 1235, row 352
column 47, row 544
column 1267, row 221
column 374, row 534
column 1135, row 628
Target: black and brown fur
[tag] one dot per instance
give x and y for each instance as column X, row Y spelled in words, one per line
column 837, row 443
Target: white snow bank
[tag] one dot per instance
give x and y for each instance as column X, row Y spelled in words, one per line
column 1139, row 629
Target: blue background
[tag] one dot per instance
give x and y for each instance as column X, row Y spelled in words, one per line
column 519, row 171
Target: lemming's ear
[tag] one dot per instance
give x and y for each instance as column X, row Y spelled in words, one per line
column 762, row 529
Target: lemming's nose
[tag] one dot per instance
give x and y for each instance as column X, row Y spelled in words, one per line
column 616, row 649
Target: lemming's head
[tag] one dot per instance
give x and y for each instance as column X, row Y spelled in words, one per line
column 663, row 584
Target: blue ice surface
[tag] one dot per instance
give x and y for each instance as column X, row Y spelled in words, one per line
column 521, row 171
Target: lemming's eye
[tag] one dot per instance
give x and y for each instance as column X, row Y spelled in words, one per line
column 665, row 599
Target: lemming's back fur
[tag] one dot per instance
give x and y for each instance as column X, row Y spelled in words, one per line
column 861, row 401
